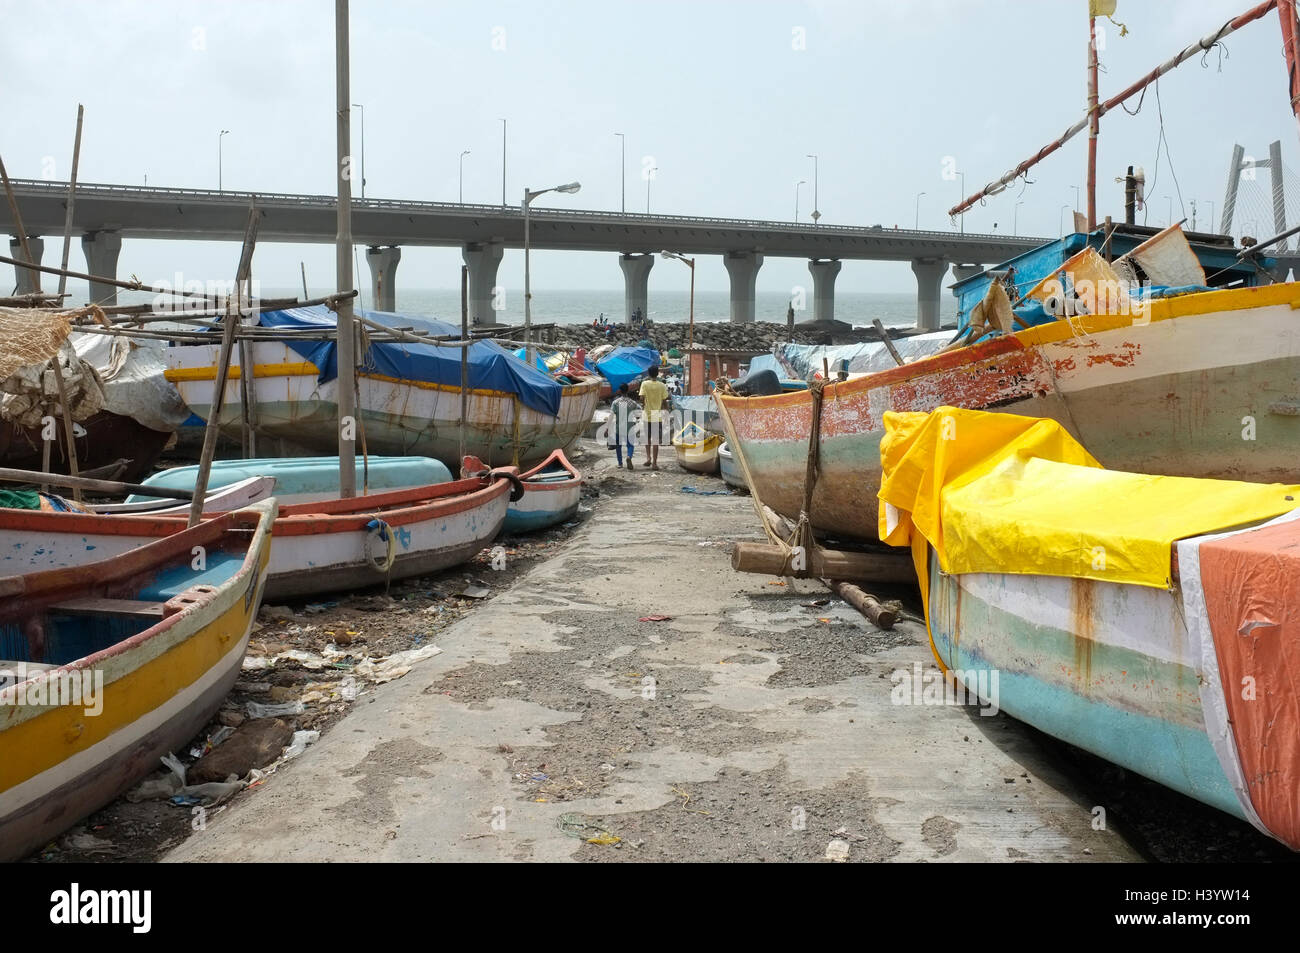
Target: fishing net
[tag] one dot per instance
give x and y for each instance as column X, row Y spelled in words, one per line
column 29, row 340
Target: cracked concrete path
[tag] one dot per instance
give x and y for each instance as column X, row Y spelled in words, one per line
column 556, row 726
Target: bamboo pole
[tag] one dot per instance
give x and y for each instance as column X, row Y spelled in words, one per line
column 218, row 300
column 213, row 428
column 464, row 359
column 8, row 475
column 889, row 345
column 72, row 200
column 1094, row 123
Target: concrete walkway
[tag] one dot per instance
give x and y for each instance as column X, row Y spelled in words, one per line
column 743, row 729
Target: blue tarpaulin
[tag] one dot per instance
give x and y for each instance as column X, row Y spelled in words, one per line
column 625, row 364
column 491, row 367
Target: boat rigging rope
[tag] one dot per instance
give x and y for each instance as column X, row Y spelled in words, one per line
column 378, row 527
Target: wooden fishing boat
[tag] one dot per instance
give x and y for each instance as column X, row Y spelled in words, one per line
column 307, row 479
column 552, row 491
column 729, row 469
column 116, row 663
column 697, row 449
column 321, row 546
column 1149, row 620
column 233, row 496
column 408, row 401
column 1201, row 385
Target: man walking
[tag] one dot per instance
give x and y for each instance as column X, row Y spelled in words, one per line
column 653, row 397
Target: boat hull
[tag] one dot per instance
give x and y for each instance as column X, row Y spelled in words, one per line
column 1207, row 388
column 1106, row 667
column 318, row 547
column 159, row 689
column 107, row 438
column 729, row 469
column 395, row 416
column 545, row 504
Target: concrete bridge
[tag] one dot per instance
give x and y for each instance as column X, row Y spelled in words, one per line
column 106, row 214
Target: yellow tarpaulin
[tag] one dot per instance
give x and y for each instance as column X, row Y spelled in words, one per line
column 1001, row 493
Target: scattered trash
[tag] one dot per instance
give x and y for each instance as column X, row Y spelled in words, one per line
column 256, row 710
column 475, row 592
column 301, row 739
column 777, row 582
column 396, row 665
column 816, row 603
column 316, row 608
column 254, row 744
column 698, row 492
column 655, row 618
column 824, row 618
column 87, row 843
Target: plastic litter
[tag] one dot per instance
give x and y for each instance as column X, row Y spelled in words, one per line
column 699, row 492
column 256, row 710
column 655, row 618
column 301, row 739
column 395, row 666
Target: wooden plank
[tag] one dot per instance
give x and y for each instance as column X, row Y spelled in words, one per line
column 117, row 608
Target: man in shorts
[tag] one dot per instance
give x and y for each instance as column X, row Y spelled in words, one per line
column 653, row 397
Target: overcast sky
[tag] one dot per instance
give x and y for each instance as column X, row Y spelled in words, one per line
column 725, row 98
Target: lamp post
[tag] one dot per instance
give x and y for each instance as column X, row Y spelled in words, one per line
column 816, row 213
column 1076, row 197
column 461, row 191
column 363, row 147
column 1015, row 218
column 917, row 224
column 570, row 187
column 797, row 185
column 1170, row 219
column 622, row 170
column 649, row 177
column 963, row 192
column 689, row 263
column 220, row 135
column 1061, row 219
column 503, row 163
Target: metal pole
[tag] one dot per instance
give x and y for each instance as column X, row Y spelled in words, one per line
column 622, row 169
column 503, row 163
column 72, row 197
column 690, row 335
column 963, row 192
column 461, row 191
column 220, row 136
column 796, row 201
column 346, row 381
column 528, row 293
column 916, row 225
column 303, row 266
column 1094, row 124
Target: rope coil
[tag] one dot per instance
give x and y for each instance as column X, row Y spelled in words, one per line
column 377, row 527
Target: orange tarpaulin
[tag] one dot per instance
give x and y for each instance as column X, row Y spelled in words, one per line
column 1252, row 596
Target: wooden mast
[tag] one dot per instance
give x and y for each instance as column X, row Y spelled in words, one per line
column 1094, row 121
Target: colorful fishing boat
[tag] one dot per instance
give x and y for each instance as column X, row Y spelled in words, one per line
column 552, row 491
column 323, row 546
column 729, row 469
column 233, row 496
column 306, row 479
column 697, row 449
column 408, row 394
column 1149, row 620
column 1201, row 384
column 116, row 664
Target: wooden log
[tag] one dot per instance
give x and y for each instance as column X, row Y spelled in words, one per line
column 769, row 559
column 864, row 602
column 85, row 483
column 783, row 526
column 884, row 337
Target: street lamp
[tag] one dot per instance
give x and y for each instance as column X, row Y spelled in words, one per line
column 570, row 188
column 917, row 223
column 622, row 169
column 363, row 147
column 690, row 263
column 797, row 185
column 649, row 177
column 462, row 176
column 1076, row 197
column 1015, row 218
column 963, row 195
column 1061, row 219
column 503, row 163
column 1170, row 219
column 816, row 214
column 220, row 135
